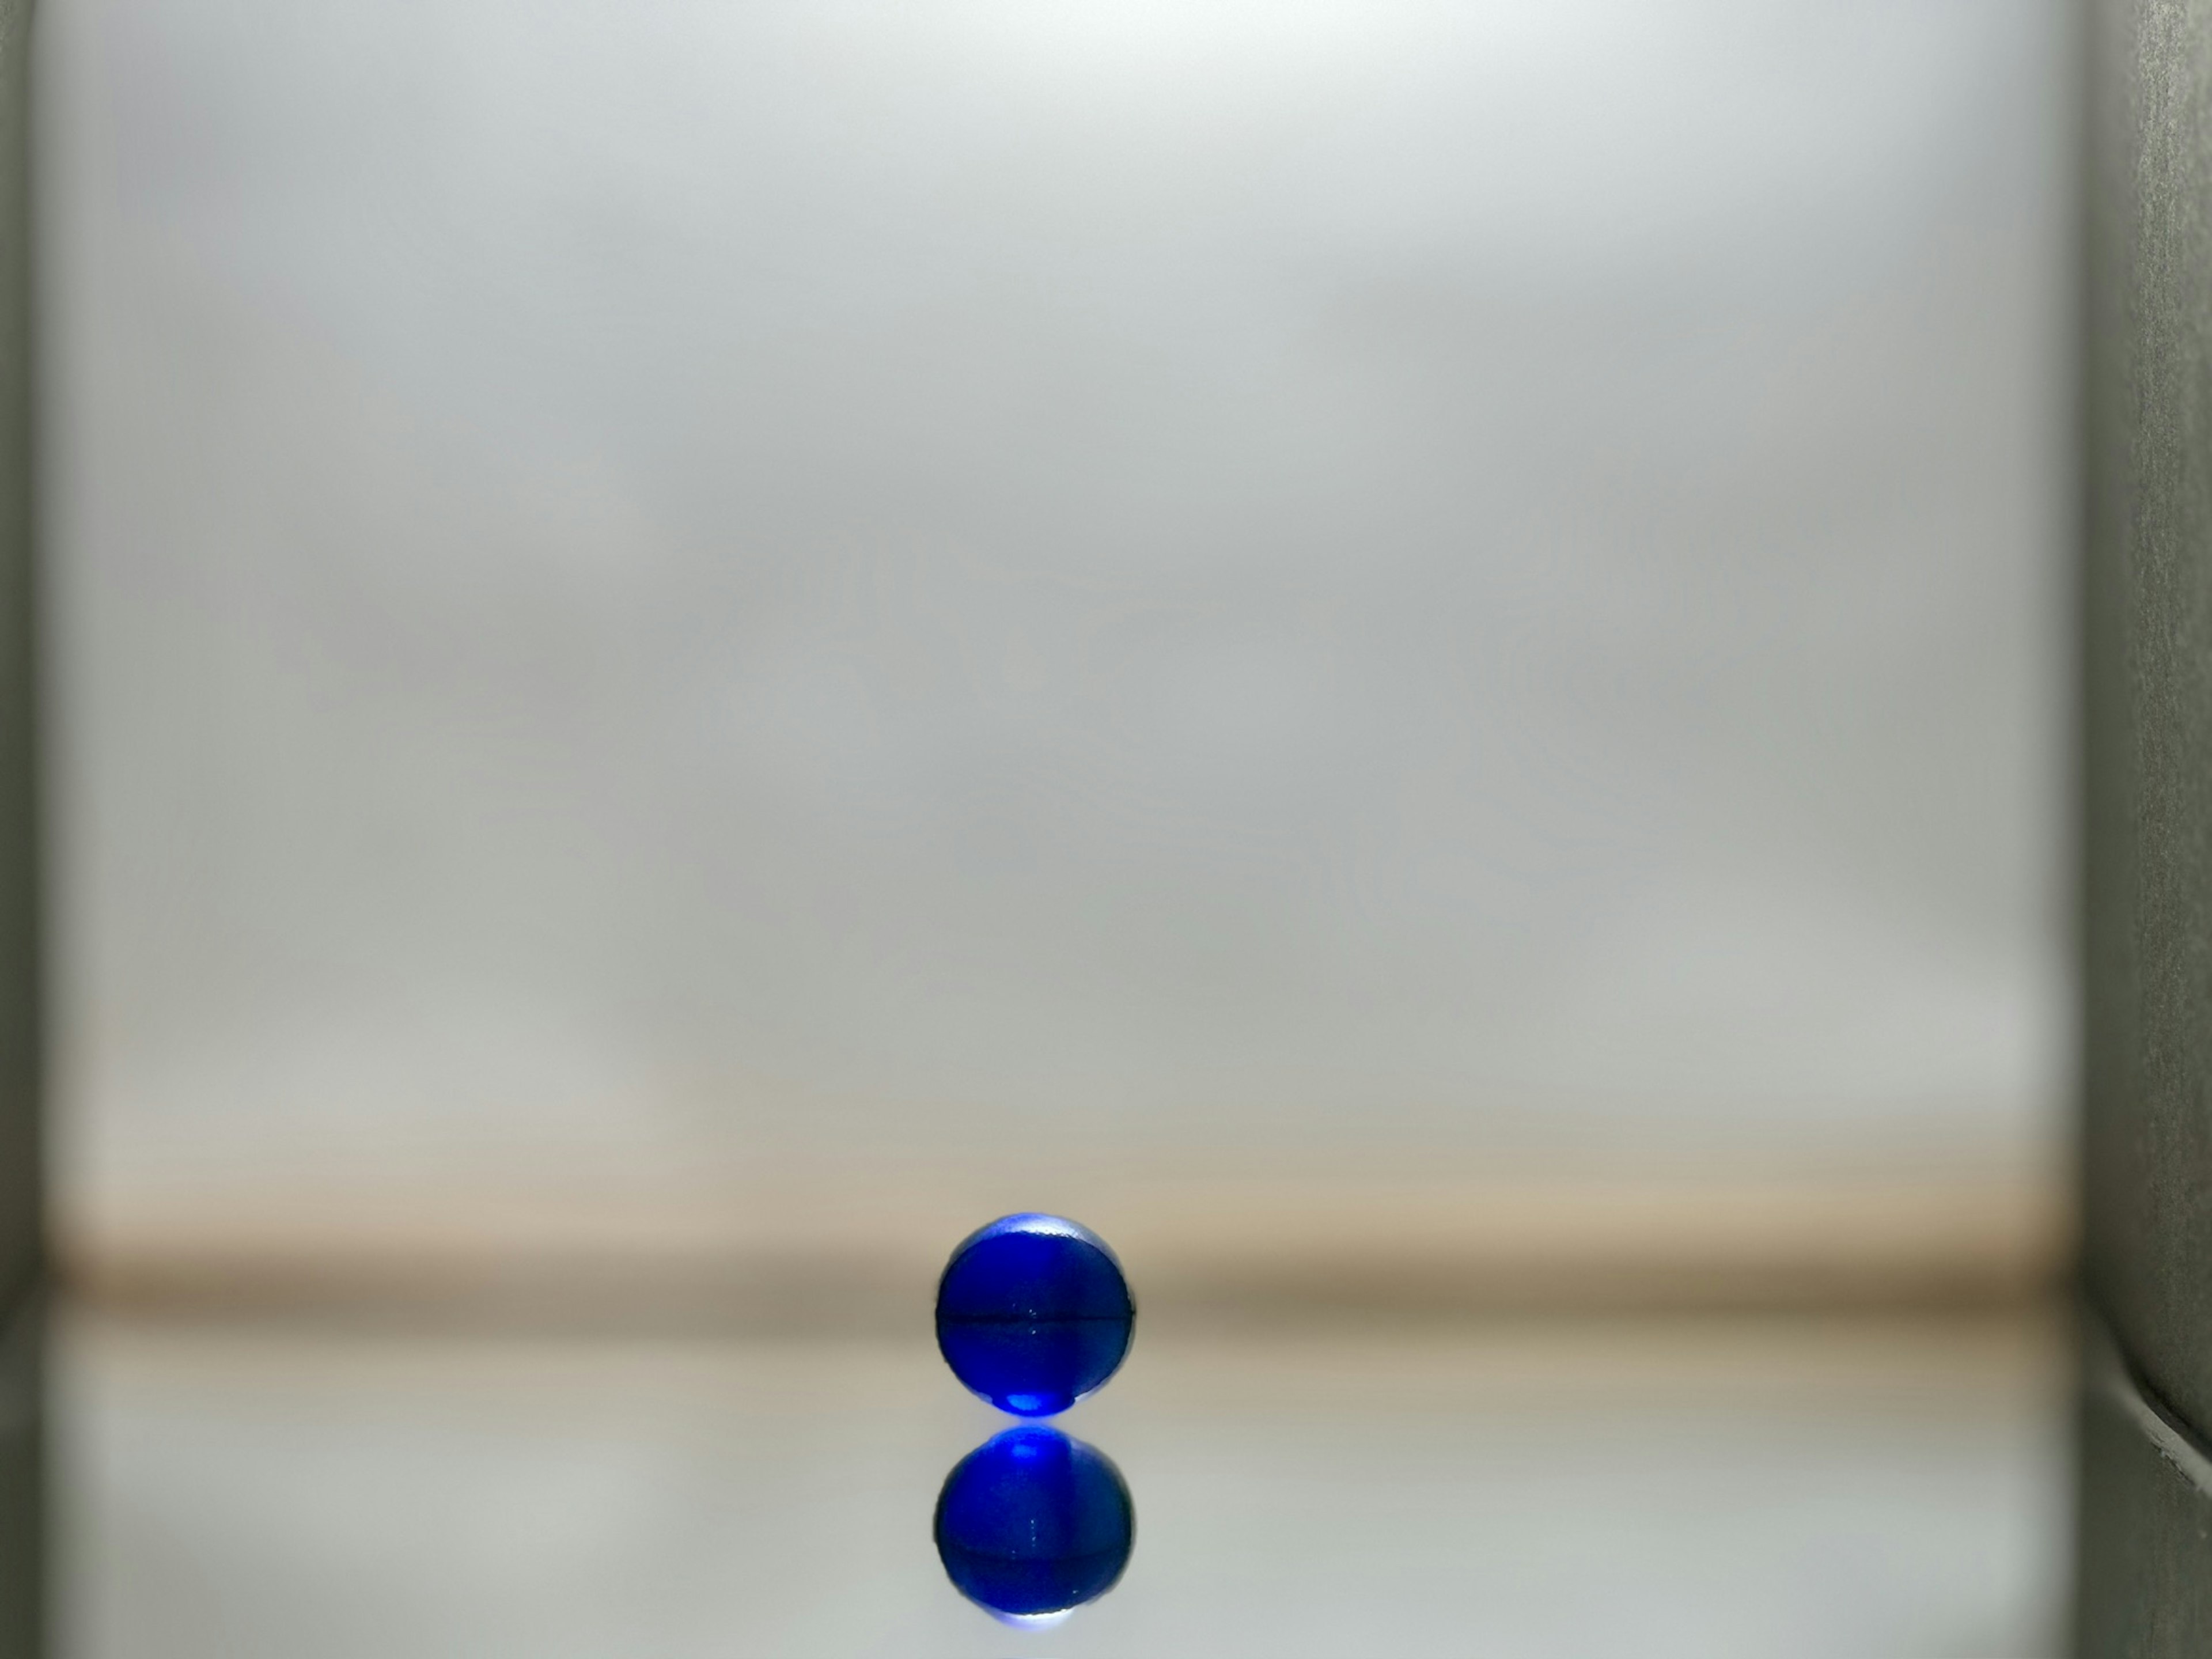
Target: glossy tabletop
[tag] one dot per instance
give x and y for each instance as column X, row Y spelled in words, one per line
column 1706, row 1488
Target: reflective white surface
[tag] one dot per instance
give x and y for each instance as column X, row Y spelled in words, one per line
column 1706, row 1489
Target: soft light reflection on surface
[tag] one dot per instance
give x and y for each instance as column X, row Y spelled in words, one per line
column 1035, row 1620
column 1698, row 1489
column 1034, row 1523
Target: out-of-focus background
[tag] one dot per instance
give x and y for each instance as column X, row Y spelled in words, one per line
column 678, row 612
column 1412, row 654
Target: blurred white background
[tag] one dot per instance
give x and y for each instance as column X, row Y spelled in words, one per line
column 654, row 596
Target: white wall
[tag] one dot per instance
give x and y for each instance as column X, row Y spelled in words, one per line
column 653, row 592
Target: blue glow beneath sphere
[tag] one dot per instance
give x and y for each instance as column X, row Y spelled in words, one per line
column 1031, row 1522
column 1033, row 1313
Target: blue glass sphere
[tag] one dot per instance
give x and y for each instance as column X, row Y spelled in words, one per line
column 1032, row 1524
column 1033, row 1314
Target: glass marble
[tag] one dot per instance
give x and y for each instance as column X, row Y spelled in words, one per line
column 1033, row 1313
column 1031, row 1524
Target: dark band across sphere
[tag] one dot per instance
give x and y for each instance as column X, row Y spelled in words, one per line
column 1033, row 1313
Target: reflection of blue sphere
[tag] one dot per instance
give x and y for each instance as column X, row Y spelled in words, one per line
column 1033, row 1522
column 1033, row 1314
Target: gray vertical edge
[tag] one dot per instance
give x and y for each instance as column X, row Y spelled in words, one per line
column 22, row 1209
column 2148, row 708
column 2145, row 1514
column 22, row 1483
column 2146, row 1535
column 22, row 1220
